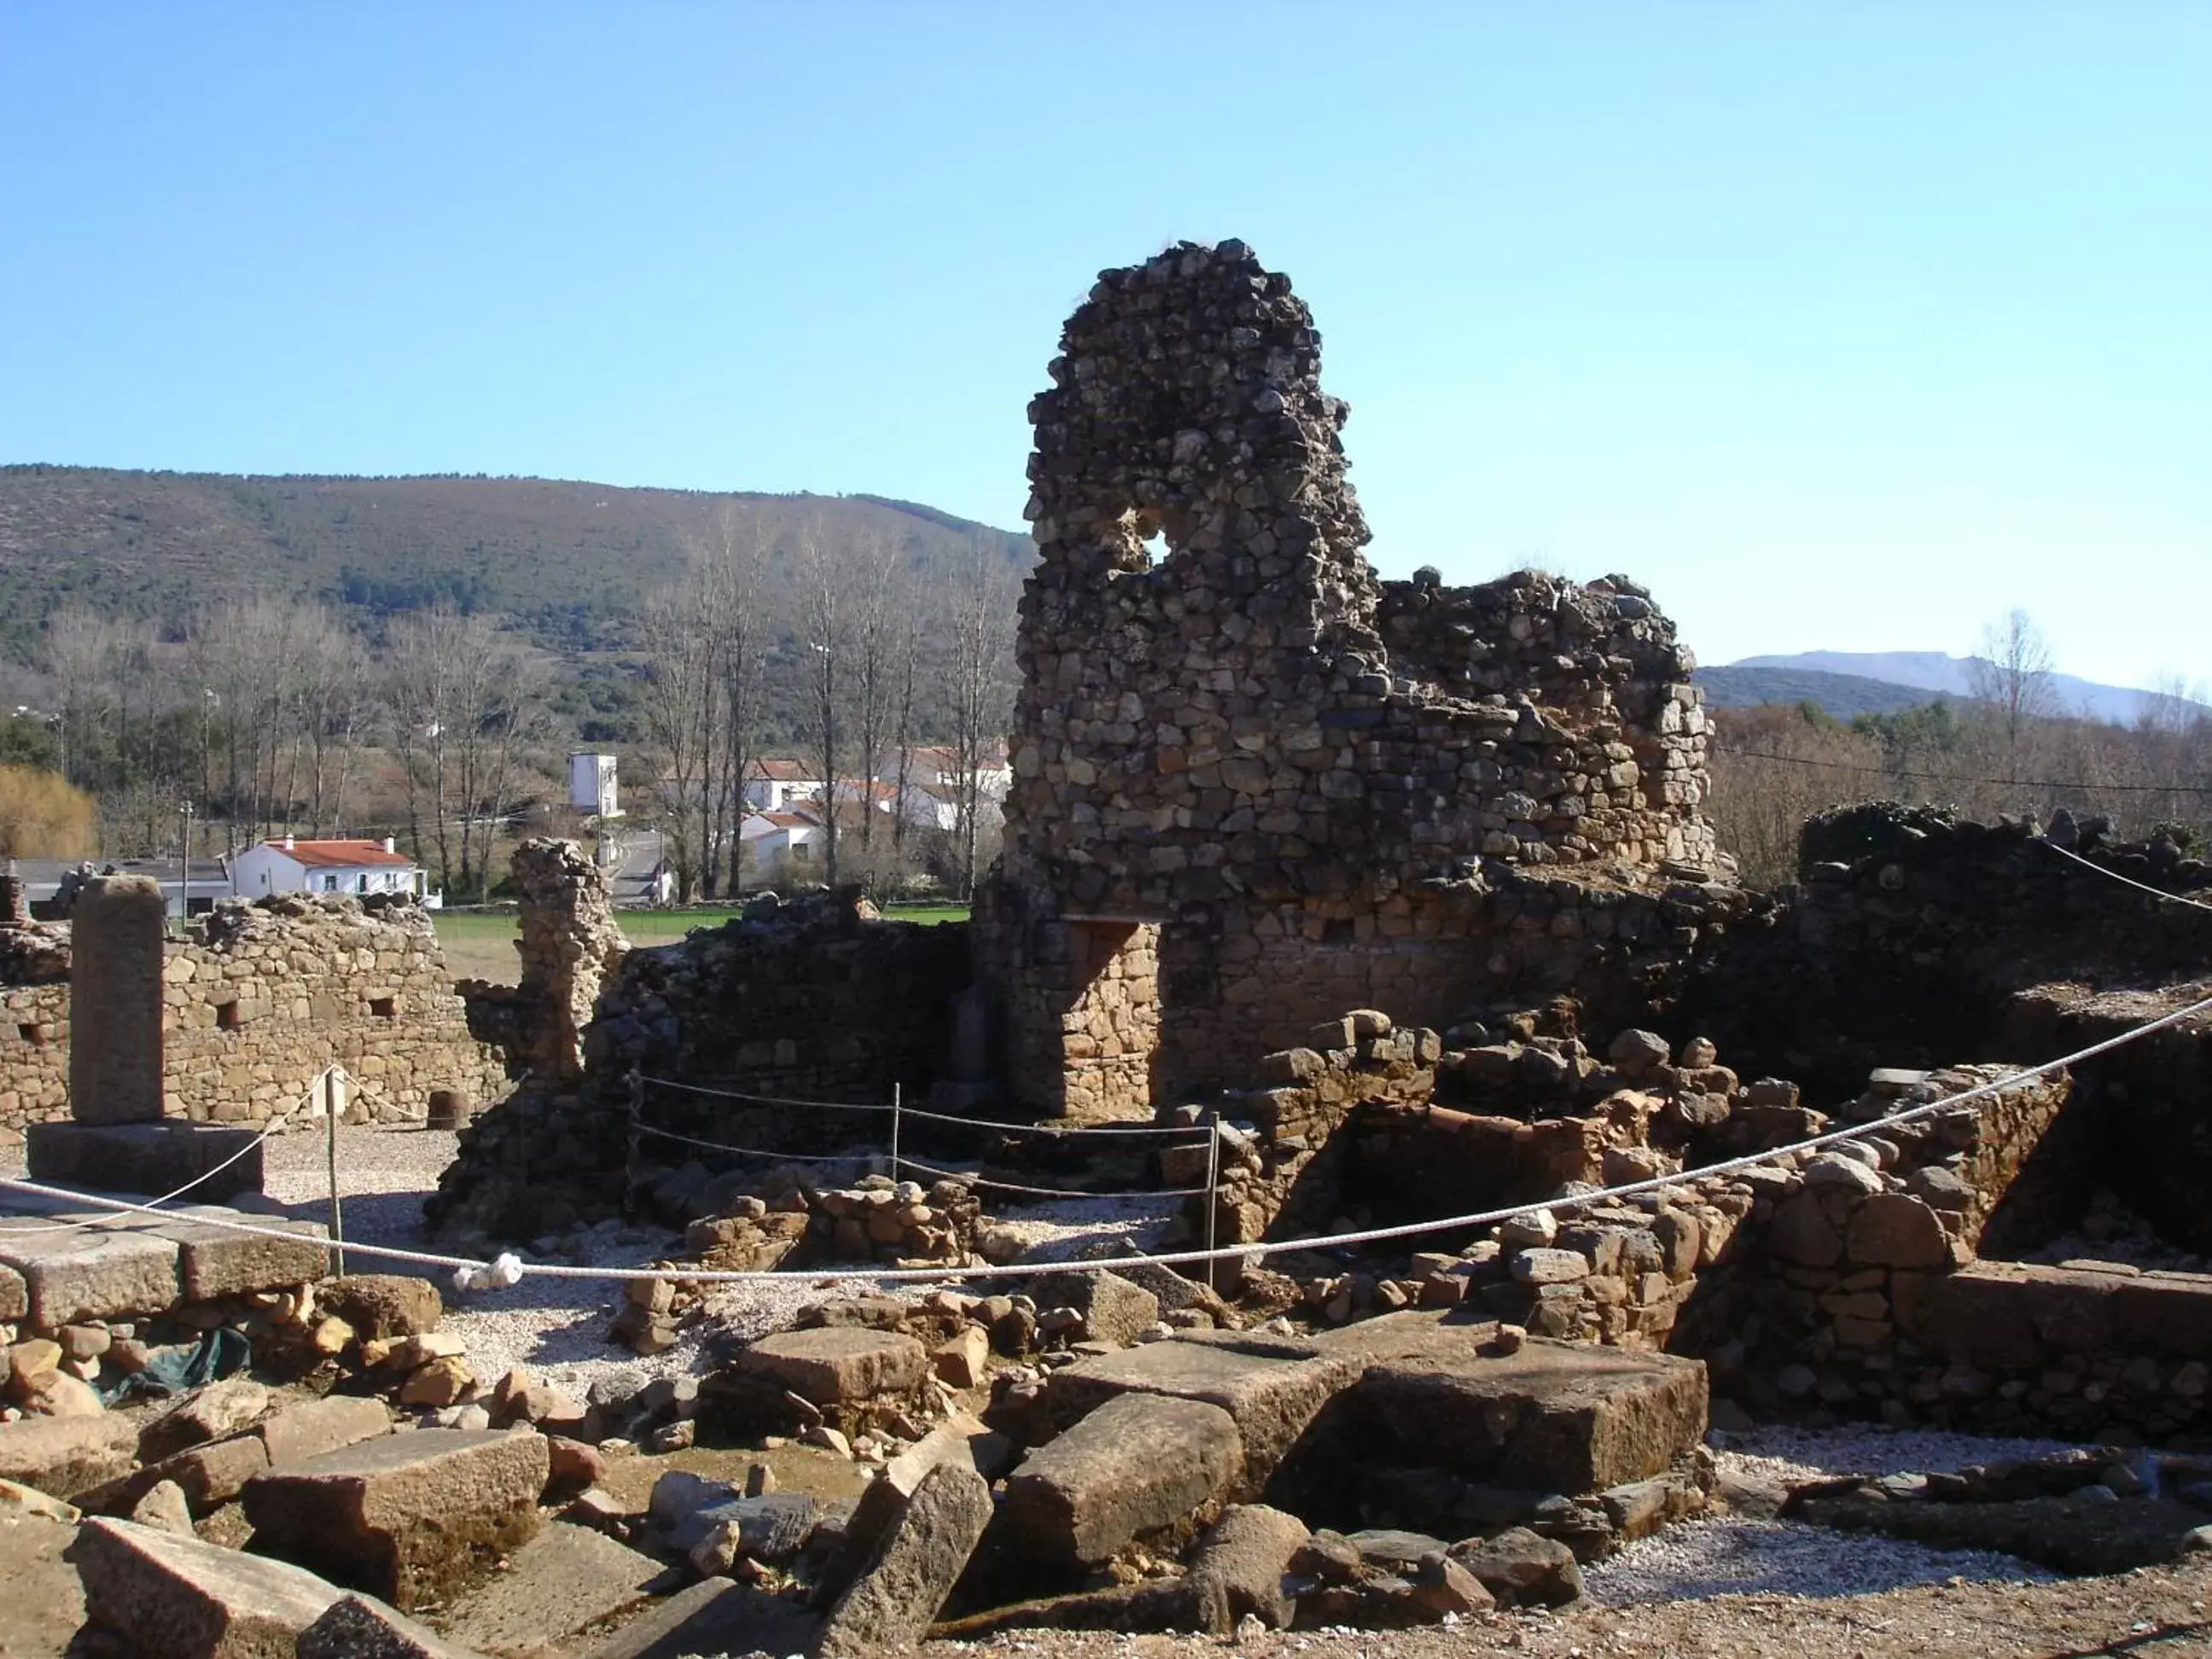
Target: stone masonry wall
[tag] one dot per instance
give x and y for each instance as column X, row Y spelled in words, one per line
column 260, row 1000
column 1292, row 770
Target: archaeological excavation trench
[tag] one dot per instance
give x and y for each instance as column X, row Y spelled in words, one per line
column 1330, row 907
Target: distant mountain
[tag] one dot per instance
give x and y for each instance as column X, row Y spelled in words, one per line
column 1842, row 696
column 567, row 561
column 1953, row 676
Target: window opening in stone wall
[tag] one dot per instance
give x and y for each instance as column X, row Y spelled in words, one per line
column 30, row 1033
column 384, row 1008
column 228, row 1017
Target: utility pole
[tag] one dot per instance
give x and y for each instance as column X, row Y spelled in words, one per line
column 184, row 869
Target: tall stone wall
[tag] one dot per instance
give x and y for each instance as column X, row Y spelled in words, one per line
column 260, row 1000
column 1228, row 730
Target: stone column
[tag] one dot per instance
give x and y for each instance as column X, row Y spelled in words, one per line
column 115, row 1000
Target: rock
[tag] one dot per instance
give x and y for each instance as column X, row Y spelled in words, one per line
column 83, row 1341
column 65, row 1456
column 58, row 1394
column 837, row 1365
column 1530, row 1228
column 1441, row 1587
column 360, row 1627
column 1521, row 1568
column 1114, row 1309
column 164, row 1506
column 19, row 1502
column 960, row 1361
column 1238, row 1571
column 177, row 1598
column 1636, row 1052
column 571, row 1463
column 296, row 1433
column 892, row 1599
column 1541, row 1267
column 714, row 1616
column 213, row 1412
column 214, row 1262
column 441, row 1383
column 409, row 1517
column 1849, row 1174
column 382, row 1306
column 1803, row 1233
column 1137, row 1462
column 1896, row 1229
column 210, row 1475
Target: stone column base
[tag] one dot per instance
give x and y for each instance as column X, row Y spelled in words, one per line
column 148, row 1158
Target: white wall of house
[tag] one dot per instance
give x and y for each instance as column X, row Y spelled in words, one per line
column 268, row 868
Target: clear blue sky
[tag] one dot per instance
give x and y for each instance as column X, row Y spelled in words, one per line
column 1840, row 326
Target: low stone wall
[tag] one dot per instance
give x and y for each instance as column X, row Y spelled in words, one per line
column 260, row 999
column 816, row 1000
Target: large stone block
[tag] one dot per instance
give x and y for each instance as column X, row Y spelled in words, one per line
column 1270, row 1397
column 115, row 1000
column 171, row 1597
column 1554, row 1417
column 298, row 1433
column 360, row 1627
column 200, row 1161
column 217, row 1261
column 889, row 1604
column 1112, row 1309
column 1139, row 1462
column 835, row 1364
column 96, row 1273
column 67, row 1456
column 383, row 1305
column 15, row 1294
column 407, row 1517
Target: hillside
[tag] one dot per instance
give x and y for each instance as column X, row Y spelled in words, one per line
column 1953, row 676
column 566, row 560
column 1841, row 695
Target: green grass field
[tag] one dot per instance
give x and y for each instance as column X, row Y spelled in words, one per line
column 480, row 944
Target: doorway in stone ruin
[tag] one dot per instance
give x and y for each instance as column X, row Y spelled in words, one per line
column 1111, row 1028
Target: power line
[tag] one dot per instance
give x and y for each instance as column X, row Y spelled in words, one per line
column 2077, row 785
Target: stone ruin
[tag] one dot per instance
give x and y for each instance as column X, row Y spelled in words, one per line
column 1399, row 897
column 1254, row 786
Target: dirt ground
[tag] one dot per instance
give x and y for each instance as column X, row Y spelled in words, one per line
column 2156, row 1614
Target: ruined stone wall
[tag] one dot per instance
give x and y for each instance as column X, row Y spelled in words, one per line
column 816, row 1001
column 260, row 1000
column 1290, row 769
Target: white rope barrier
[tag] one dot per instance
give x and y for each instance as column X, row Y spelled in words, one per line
column 507, row 1268
column 1042, row 1192
column 1054, row 1130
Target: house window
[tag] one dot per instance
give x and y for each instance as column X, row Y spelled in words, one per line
column 330, row 884
column 801, row 852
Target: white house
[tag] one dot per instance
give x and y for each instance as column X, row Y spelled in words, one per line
column 294, row 866
column 783, row 846
column 772, row 784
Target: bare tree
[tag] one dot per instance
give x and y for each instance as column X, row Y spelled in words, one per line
column 682, row 699
column 740, row 647
column 824, row 626
column 2013, row 673
column 978, row 698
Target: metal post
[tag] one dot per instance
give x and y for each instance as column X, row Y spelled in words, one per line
column 1212, row 1183
column 897, row 1097
column 333, row 1103
column 636, row 1137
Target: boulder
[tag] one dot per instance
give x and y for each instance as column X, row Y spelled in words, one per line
column 165, row 1507
column 65, row 1456
column 209, row 1476
column 837, row 1365
column 19, row 1502
column 1139, row 1462
column 961, row 1439
column 1238, row 1571
column 1896, row 1229
column 1521, row 1568
column 407, row 1517
column 959, row 1361
column 1114, row 1309
column 383, row 1306
column 168, row 1597
column 898, row 1591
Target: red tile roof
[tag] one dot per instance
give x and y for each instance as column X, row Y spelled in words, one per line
column 333, row 854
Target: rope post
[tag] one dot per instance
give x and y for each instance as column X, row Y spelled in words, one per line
column 898, row 1102
column 333, row 1091
column 1212, row 1186
column 636, row 1113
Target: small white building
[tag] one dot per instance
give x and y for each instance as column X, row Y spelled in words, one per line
column 783, row 846
column 773, row 783
column 357, row 867
column 592, row 788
